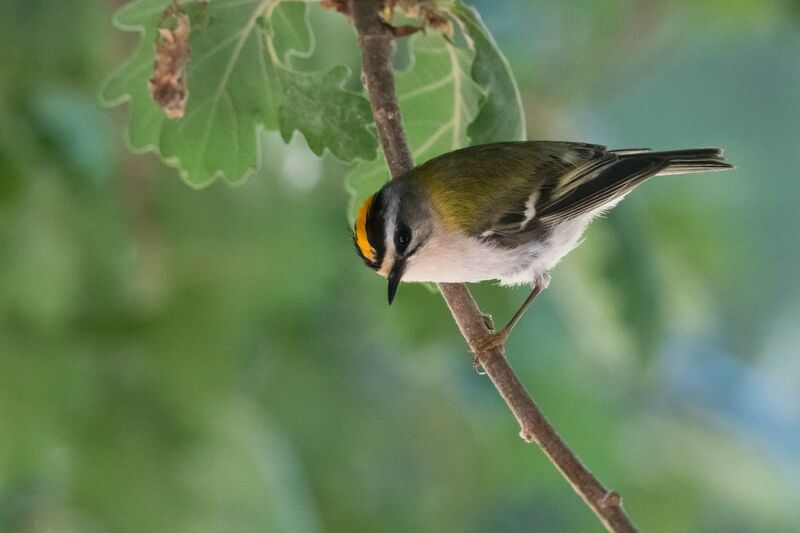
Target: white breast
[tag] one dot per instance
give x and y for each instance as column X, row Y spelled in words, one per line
column 459, row 258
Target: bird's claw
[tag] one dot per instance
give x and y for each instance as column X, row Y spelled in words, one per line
column 477, row 366
column 490, row 342
column 487, row 319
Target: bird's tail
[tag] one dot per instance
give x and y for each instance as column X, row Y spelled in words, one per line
column 684, row 161
column 602, row 187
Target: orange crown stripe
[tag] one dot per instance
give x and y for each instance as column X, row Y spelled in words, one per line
column 361, row 231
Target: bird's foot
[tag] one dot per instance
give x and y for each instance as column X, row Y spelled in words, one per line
column 487, row 343
column 491, row 341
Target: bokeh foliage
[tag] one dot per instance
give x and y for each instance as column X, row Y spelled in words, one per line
column 174, row 360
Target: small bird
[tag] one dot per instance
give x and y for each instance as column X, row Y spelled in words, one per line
column 507, row 211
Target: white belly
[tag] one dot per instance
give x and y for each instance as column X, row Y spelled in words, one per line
column 462, row 259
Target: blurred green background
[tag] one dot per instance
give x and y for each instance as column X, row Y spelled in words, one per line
column 219, row 360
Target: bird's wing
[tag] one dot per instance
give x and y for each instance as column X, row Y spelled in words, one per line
column 598, row 184
column 553, row 179
column 495, row 188
column 509, row 193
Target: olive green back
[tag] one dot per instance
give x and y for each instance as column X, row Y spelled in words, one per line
column 474, row 188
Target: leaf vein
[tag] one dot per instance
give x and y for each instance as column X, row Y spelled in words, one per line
column 426, row 88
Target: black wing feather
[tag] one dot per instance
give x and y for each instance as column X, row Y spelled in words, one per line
column 563, row 180
column 618, row 176
column 610, row 182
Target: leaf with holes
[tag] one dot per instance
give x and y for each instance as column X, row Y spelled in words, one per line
column 438, row 100
column 239, row 78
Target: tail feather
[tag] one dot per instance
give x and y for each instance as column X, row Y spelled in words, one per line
column 686, row 161
column 606, row 185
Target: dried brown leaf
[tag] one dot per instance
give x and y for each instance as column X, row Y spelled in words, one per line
column 342, row 6
column 428, row 13
column 404, row 31
column 168, row 86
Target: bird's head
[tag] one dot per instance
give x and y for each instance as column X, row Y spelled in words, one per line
column 392, row 225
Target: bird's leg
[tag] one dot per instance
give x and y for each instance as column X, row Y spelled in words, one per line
column 493, row 340
column 496, row 339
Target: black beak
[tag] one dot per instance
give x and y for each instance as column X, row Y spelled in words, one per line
column 394, row 279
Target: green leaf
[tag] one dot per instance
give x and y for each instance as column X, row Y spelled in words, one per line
column 296, row 40
column 239, row 79
column 438, row 100
column 502, row 117
column 315, row 104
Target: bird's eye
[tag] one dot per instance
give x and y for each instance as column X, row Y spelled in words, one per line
column 401, row 238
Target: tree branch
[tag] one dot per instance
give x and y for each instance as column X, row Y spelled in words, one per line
column 376, row 40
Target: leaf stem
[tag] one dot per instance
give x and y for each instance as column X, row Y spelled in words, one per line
column 377, row 48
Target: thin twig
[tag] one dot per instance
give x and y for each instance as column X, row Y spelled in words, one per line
column 377, row 47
